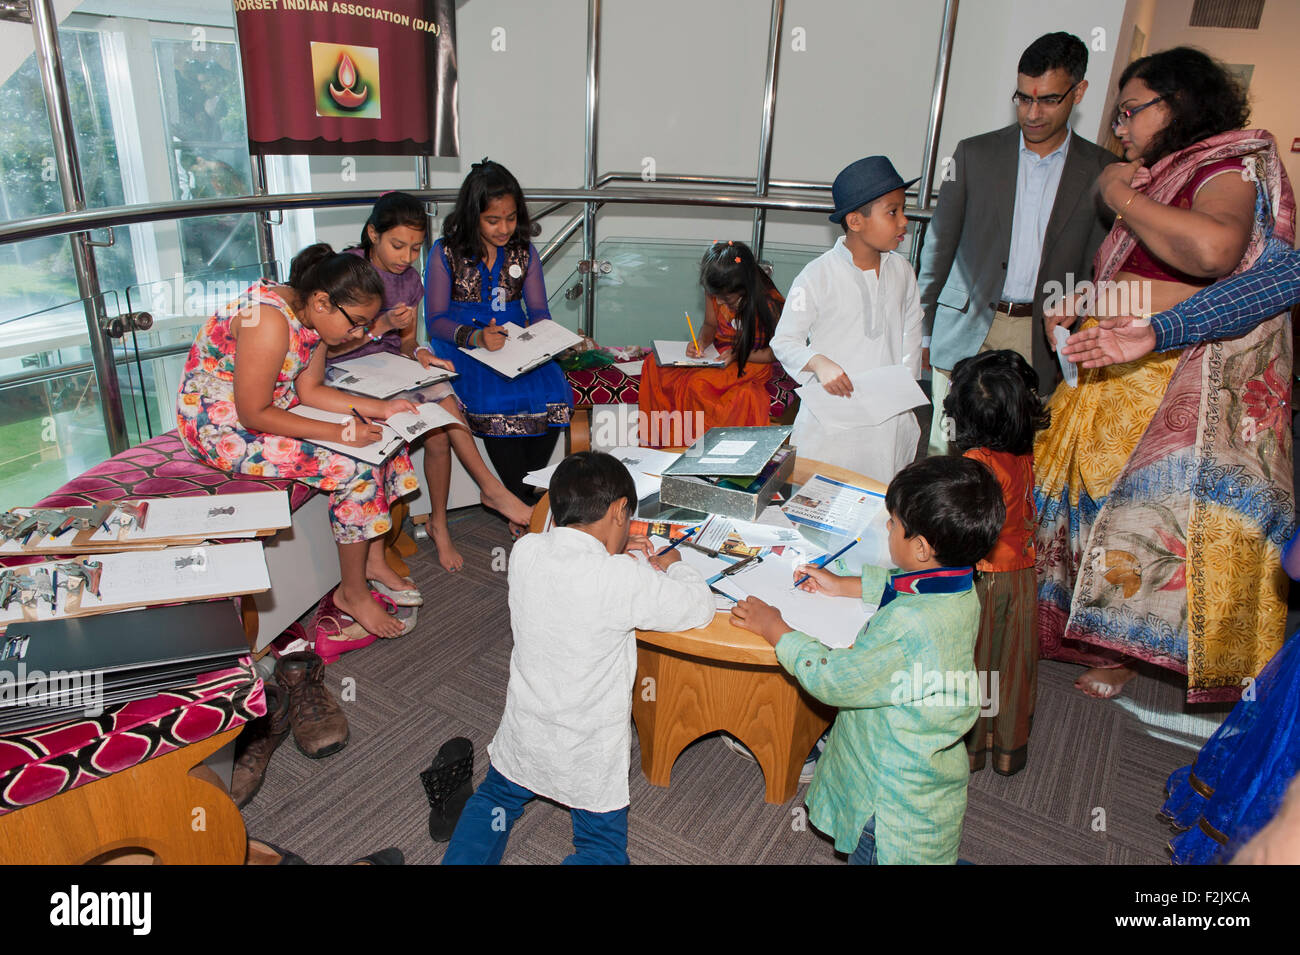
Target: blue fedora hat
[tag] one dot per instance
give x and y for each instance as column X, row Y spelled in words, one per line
column 862, row 181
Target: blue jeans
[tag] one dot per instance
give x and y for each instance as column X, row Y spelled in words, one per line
column 599, row 838
column 865, row 853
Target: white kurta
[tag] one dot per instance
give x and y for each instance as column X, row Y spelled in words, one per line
column 566, row 730
column 859, row 320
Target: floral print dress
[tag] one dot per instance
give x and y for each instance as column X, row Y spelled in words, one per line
column 360, row 493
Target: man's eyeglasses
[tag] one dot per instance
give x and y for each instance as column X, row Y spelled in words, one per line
column 1125, row 116
column 1020, row 99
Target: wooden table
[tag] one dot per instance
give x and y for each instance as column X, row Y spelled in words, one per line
column 723, row 678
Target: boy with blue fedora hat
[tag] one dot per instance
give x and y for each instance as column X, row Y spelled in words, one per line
column 854, row 309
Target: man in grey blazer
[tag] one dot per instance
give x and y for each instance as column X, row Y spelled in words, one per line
column 1017, row 212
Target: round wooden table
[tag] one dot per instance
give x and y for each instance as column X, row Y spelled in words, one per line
column 723, row 678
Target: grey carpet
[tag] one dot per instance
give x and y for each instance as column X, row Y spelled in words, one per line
column 1090, row 793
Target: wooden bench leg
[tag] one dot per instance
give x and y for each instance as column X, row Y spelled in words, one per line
column 164, row 806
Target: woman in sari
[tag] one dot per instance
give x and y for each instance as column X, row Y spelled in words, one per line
column 1163, row 486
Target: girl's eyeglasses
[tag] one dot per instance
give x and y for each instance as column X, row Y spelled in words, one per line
column 1125, row 116
column 351, row 321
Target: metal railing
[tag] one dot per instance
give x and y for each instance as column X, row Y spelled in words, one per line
column 79, row 221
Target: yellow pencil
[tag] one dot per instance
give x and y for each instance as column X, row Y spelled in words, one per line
column 692, row 328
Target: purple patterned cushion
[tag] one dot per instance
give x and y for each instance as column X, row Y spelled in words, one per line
column 161, row 467
column 613, row 386
column 36, row 764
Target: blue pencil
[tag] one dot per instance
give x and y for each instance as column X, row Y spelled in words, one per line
column 826, row 560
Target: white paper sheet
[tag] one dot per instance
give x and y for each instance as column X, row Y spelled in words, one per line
column 771, row 529
column 877, row 396
column 526, row 348
column 646, row 484
column 632, row 368
column 835, row 621
column 1068, row 368
column 147, row 577
column 645, row 460
column 224, row 515
column 398, row 430
column 673, row 354
column 382, row 375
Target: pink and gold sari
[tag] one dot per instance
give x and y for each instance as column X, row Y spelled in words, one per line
column 1163, row 485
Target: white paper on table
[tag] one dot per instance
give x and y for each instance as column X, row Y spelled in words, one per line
column 833, row 506
column 709, row 567
column 224, row 515
column 872, row 549
column 646, row 484
column 645, row 460
column 382, row 375
column 674, row 354
column 877, row 396
column 772, row 529
column 835, row 621
column 713, row 533
column 526, row 348
column 1068, row 368
column 630, row 368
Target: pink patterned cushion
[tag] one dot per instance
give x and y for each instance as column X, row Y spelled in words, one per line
column 612, row 386
column 36, row 764
column 161, row 467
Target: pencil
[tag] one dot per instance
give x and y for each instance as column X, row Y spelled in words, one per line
column 363, row 418
column 691, row 326
column 827, row 560
column 679, row 542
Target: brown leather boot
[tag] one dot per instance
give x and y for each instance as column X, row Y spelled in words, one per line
column 256, row 744
column 319, row 726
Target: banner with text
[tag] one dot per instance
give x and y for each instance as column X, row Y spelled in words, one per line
column 337, row 79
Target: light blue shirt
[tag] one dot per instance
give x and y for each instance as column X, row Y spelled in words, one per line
column 1036, row 181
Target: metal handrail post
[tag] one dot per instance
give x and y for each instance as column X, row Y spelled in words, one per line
column 49, row 59
column 257, row 163
column 588, row 322
column 769, row 114
column 931, row 155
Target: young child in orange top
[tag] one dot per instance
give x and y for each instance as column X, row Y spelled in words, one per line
column 995, row 409
column 741, row 309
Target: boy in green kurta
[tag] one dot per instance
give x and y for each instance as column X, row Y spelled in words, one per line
column 891, row 785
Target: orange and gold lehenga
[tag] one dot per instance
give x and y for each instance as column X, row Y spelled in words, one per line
column 715, row 397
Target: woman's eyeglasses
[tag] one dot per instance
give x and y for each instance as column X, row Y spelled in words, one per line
column 1125, row 116
column 1055, row 99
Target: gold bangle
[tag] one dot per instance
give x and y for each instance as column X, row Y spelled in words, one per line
column 1119, row 216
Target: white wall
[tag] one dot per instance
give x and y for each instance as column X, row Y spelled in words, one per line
column 682, row 83
column 1272, row 51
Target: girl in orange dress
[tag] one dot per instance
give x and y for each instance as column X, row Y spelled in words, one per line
column 741, row 309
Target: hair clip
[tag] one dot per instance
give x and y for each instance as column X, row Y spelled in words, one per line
column 480, row 164
column 737, row 260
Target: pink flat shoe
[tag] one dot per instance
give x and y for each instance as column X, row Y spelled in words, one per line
column 337, row 633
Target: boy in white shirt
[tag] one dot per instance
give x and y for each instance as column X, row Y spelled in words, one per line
column 853, row 309
column 576, row 595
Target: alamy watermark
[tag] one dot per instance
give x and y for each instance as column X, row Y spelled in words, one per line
column 82, row 689
column 921, row 687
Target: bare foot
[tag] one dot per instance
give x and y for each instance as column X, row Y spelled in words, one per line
column 366, row 611
column 448, row 555
column 518, row 530
column 505, row 503
column 380, row 571
column 1104, row 683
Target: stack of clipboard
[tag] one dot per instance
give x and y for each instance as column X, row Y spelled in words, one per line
column 56, row 670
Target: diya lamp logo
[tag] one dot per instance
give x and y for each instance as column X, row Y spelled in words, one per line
column 346, row 80
column 348, row 97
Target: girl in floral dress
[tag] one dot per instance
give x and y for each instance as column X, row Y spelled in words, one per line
column 262, row 354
